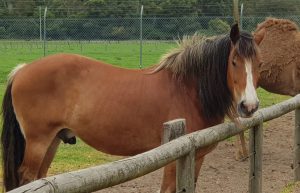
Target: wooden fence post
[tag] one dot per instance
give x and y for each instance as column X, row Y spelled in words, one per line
column 185, row 166
column 255, row 148
column 297, row 146
column 185, row 173
column 173, row 129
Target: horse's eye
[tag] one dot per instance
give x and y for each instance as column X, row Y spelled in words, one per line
column 233, row 63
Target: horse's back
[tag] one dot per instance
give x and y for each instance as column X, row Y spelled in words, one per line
column 52, row 86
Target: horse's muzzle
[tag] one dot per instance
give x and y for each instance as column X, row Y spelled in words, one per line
column 246, row 110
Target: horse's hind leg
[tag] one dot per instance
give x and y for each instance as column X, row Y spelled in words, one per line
column 48, row 157
column 35, row 151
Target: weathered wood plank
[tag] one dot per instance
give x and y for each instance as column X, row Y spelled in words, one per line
column 173, row 129
column 185, row 173
column 255, row 149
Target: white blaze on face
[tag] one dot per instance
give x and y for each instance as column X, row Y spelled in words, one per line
column 249, row 97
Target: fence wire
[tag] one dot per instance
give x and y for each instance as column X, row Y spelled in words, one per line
column 99, row 35
column 120, row 29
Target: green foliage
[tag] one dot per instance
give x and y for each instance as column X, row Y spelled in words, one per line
column 215, row 7
column 219, row 26
column 271, row 7
column 152, row 8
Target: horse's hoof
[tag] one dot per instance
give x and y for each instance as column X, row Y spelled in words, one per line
column 239, row 156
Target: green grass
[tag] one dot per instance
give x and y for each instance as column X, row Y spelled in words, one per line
column 125, row 54
column 291, row 188
column 73, row 157
column 268, row 99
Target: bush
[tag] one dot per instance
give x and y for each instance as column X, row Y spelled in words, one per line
column 218, row 26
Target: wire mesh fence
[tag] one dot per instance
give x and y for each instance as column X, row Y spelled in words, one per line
column 119, row 29
column 100, row 35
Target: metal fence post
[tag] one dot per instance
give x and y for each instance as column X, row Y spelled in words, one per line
column 141, row 37
column 255, row 148
column 236, row 16
column 45, row 30
column 297, row 146
column 241, row 16
column 185, row 166
column 40, row 14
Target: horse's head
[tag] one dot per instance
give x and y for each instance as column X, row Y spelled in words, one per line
column 242, row 71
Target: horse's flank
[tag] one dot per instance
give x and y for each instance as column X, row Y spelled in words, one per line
column 280, row 71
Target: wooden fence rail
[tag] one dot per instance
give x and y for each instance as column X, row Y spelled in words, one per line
column 103, row 176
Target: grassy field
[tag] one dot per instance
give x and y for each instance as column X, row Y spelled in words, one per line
column 125, row 54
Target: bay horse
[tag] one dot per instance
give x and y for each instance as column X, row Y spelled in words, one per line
column 121, row 111
column 280, row 69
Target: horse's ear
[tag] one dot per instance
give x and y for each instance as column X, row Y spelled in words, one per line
column 259, row 36
column 235, row 33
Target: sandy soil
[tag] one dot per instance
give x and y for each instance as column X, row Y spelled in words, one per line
column 222, row 174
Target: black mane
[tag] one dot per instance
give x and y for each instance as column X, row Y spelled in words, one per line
column 206, row 60
column 214, row 94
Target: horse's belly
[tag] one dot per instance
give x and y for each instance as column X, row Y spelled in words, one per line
column 118, row 142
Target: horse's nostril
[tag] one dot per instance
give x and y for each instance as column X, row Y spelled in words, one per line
column 243, row 106
column 248, row 109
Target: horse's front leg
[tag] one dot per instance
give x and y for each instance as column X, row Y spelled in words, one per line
column 169, row 176
column 169, row 179
column 241, row 152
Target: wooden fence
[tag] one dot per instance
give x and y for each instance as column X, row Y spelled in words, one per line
column 182, row 149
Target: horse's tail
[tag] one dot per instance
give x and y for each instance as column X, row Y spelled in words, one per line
column 12, row 139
